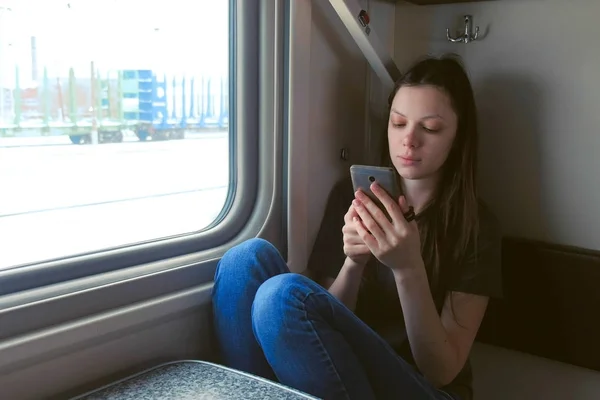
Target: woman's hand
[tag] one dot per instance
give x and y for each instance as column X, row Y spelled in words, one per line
column 397, row 243
column 354, row 247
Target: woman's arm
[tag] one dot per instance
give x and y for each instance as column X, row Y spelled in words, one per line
column 345, row 286
column 440, row 345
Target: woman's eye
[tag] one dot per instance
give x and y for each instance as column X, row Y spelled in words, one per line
column 398, row 125
column 430, row 130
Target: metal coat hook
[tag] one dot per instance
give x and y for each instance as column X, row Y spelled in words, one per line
column 467, row 36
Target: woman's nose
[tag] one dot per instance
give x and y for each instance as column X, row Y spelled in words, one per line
column 410, row 139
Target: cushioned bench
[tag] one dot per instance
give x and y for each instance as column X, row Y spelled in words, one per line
column 500, row 374
column 194, row 380
column 550, row 305
column 542, row 340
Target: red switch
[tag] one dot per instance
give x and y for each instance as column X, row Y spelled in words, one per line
column 363, row 18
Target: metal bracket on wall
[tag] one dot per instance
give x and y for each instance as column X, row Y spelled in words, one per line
column 357, row 22
column 469, row 35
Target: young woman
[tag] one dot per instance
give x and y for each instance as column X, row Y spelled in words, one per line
column 404, row 300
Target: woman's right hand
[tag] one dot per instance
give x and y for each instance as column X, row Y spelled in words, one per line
column 354, row 247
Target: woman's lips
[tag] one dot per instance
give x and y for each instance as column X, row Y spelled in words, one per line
column 408, row 160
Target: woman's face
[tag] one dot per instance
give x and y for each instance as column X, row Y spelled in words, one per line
column 421, row 130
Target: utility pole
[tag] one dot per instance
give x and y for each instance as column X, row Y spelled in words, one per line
column 94, row 133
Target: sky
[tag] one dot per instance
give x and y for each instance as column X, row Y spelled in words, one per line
column 173, row 37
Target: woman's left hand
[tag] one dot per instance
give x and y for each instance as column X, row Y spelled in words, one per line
column 397, row 243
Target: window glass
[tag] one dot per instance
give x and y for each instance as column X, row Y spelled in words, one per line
column 114, row 123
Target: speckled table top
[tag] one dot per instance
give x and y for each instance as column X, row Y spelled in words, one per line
column 194, row 380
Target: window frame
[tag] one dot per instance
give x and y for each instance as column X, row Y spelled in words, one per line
column 36, row 296
column 228, row 223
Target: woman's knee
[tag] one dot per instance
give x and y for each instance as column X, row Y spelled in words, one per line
column 244, row 258
column 278, row 299
column 248, row 247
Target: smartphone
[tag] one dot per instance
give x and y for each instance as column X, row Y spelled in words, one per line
column 364, row 175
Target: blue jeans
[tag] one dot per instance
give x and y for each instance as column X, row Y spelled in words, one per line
column 285, row 327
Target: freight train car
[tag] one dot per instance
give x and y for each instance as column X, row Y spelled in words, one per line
column 162, row 109
column 128, row 101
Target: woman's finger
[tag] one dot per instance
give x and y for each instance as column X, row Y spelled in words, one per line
column 364, row 234
column 354, row 239
column 376, row 212
column 351, row 234
column 403, row 204
column 368, row 222
column 350, row 214
column 390, row 204
column 359, row 250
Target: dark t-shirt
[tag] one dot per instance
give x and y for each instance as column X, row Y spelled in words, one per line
column 378, row 303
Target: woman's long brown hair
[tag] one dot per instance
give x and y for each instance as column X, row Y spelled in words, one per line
column 450, row 225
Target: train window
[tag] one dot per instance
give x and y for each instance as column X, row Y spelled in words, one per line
column 114, row 124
